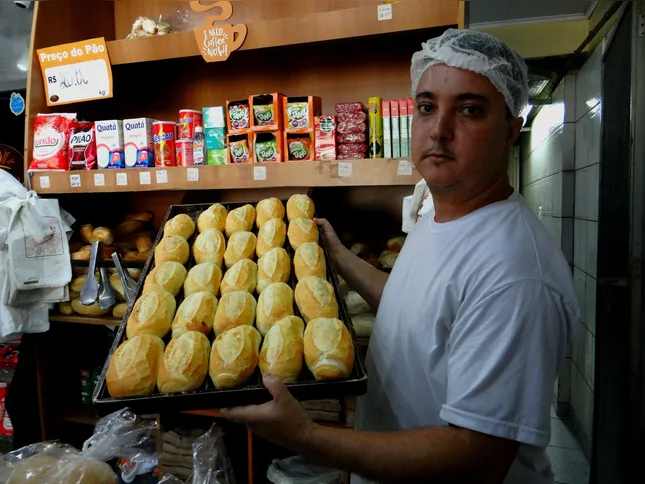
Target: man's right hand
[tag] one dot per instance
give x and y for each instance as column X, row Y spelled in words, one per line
column 329, row 233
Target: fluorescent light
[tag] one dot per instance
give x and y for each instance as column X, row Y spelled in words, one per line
column 594, row 101
column 22, row 67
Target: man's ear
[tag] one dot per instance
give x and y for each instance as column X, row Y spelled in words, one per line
column 515, row 128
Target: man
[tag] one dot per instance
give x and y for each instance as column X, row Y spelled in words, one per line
column 475, row 318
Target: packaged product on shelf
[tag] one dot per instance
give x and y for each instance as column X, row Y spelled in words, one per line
column 239, row 151
column 396, row 129
column 215, row 138
column 266, row 151
column 238, row 116
column 86, row 387
column 138, row 143
column 164, row 134
column 352, row 156
column 217, row 157
column 351, row 128
column 405, row 132
column 51, row 139
column 189, row 119
column 299, row 112
column 199, row 147
column 387, row 130
column 214, row 117
column 185, row 152
column 82, row 147
column 410, row 115
column 350, row 107
column 352, row 148
column 353, row 117
column 267, row 114
column 375, row 127
column 299, row 149
column 352, row 138
column 325, row 137
column 109, row 143
column 263, row 115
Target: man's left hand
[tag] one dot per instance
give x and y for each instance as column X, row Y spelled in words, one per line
column 282, row 420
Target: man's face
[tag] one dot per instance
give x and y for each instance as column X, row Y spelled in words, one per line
column 461, row 131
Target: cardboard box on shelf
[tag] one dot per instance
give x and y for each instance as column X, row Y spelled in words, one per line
column 238, row 116
column 387, row 130
column 267, row 146
column 215, row 138
column 410, row 115
column 396, row 129
column 405, row 133
column 240, row 148
column 214, row 117
column 216, row 157
column 325, row 137
column 266, row 112
column 299, row 113
column 138, row 143
column 299, row 146
column 109, row 143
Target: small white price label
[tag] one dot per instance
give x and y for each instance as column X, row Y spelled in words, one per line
column 344, row 169
column 122, row 179
column 404, row 168
column 75, row 181
column 259, row 173
column 385, row 12
column 144, row 178
column 192, row 174
column 162, row 176
column 99, row 180
column 44, row 181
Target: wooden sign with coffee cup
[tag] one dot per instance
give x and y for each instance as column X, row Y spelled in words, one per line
column 216, row 42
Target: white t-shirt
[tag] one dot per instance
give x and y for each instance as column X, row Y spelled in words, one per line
column 471, row 330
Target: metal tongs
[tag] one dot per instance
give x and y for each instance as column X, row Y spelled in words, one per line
column 129, row 285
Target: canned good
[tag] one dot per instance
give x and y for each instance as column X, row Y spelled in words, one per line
column 189, row 119
column 185, row 152
column 165, row 138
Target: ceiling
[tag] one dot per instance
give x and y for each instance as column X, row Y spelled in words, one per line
column 507, row 11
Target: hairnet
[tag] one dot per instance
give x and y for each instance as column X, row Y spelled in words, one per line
column 480, row 53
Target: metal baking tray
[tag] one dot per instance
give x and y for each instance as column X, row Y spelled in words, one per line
column 207, row 397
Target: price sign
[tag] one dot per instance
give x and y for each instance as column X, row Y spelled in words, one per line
column 192, row 174
column 122, row 179
column 76, row 72
column 44, row 182
column 144, row 178
column 259, row 173
column 99, row 180
column 404, row 168
column 344, row 169
column 162, row 176
column 75, row 181
column 384, row 12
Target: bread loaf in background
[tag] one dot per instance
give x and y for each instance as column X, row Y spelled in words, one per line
column 274, row 266
column 240, row 246
column 274, row 303
column 234, row 309
column 240, row 220
column 152, row 314
column 300, row 206
column 44, row 468
column 134, row 366
column 302, row 230
column 172, row 248
column 309, row 260
column 234, row 356
column 93, row 310
column 329, row 349
column 243, row 276
column 181, row 225
column 356, row 304
column 203, row 277
column 214, row 217
column 387, row 259
column 119, row 310
column 168, row 276
column 143, row 243
column 103, row 235
column 65, row 307
column 315, row 298
column 272, row 234
column 184, row 365
column 86, row 233
column 395, row 244
column 209, row 246
column 268, row 209
column 283, row 349
column 195, row 313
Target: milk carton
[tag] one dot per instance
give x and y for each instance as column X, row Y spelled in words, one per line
column 138, row 143
column 109, row 144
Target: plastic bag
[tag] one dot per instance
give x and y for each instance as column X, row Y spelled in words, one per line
column 178, row 21
column 119, row 435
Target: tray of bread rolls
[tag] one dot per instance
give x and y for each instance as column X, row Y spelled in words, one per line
column 230, row 292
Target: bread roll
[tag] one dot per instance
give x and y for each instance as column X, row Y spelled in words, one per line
column 203, row 277
column 133, row 255
column 93, row 310
column 152, row 314
column 283, row 349
column 195, row 313
column 271, row 235
column 134, row 366
column 387, row 259
column 169, row 276
column 268, row 209
column 274, row 266
column 329, row 350
column 129, row 227
column 234, row 356
column 115, row 282
column 302, row 230
column 209, row 246
column 240, row 220
column 309, row 260
column 300, row 206
column 68, row 468
column 184, row 365
column 119, row 310
column 363, row 324
column 274, row 303
column 243, row 276
column 103, row 235
column 144, row 243
column 140, row 216
column 65, row 307
column 234, row 309
column 214, row 217
column 80, row 255
column 315, row 298
column 171, row 248
column 86, row 233
column 181, row 225
column 77, row 284
column 356, row 304
column 396, row 244
column 241, row 245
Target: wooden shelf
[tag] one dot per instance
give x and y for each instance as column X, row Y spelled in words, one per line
column 374, row 172
column 61, row 318
column 84, row 415
column 316, row 27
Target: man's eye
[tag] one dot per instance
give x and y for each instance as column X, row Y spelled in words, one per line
column 472, row 110
column 426, row 108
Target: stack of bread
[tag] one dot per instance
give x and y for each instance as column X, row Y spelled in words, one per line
column 210, row 316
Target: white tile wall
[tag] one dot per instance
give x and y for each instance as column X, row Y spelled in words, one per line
column 580, row 244
column 568, row 191
column 570, row 98
column 545, row 159
column 586, row 204
column 589, row 308
column 582, row 401
column 591, row 263
column 567, row 239
column 589, row 84
column 588, row 138
column 580, row 282
column 547, row 121
column 569, row 146
column 563, row 388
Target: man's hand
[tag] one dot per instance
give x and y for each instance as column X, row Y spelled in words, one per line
column 330, row 234
column 282, row 420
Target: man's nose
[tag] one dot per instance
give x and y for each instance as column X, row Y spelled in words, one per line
column 441, row 128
